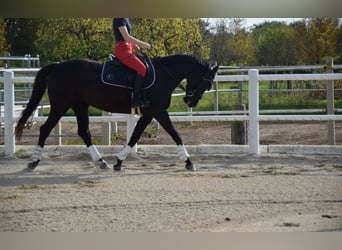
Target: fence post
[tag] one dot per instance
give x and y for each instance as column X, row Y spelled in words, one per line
column 9, row 113
column 58, row 133
column 216, row 97
column 253, row 109
column 330, row 101
column 238, row 128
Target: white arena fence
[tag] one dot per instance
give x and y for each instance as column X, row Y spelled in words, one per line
column 253, row 115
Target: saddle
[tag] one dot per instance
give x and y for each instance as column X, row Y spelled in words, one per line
column 116, row 74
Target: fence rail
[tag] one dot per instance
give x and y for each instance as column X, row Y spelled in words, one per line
column 27, row 60
column 253, row 115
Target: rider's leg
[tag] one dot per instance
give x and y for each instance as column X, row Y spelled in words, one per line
column 137, row 100
column 125, row 54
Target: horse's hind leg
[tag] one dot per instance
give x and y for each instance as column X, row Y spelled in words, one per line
column 81, row 112
column 45, row 130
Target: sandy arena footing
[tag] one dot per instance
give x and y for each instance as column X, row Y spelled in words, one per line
column 231, row 191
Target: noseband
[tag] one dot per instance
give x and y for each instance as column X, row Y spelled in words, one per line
column 195, row 92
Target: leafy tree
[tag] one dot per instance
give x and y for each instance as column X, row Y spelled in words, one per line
column 240, row 45
column 323, row 36
column 301, row 42
column 232, row 43
column 3, row 43
column 339, row 45
column 21, row 34
column 65, row 38
column 274, row 43
column 307, row 41
column 241, row 48
column 172, row 35
column 219, row 50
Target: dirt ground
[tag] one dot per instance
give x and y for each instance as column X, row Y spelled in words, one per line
column 153, row 193
column 291, row 133
column 230, row 192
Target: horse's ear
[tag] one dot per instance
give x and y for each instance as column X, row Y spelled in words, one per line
column 214, row 67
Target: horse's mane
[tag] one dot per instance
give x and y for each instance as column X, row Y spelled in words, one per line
column 177, row 58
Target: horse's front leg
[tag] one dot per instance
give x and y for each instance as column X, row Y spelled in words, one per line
column 138, row 130
column 81, row 112
column 164, row 119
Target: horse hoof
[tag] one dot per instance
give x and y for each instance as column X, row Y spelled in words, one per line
column 190, row 167
column 33, row 165
column 104, row 165
column 117, row 166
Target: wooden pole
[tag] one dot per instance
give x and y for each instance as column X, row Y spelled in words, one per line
column 330, row 101
column 58, row 133
column 238, row 128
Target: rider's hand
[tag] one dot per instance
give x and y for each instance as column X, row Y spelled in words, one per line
column 147, row 46
column 136, row 48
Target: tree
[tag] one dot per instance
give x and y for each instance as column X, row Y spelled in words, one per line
column 172, row 35
column 219, row 51
column 241, row 48
column 60, row 39
column 323, row 36
column 66, row 38
column 232, row 43
column 240, row 45
column 3, row 42
column 21, row 34
column 274, row 43
column 339, row 45
column 301, row 42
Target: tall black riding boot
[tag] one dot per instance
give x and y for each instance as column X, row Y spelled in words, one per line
column 136, row 100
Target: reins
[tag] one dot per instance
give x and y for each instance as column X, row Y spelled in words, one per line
column 157, row 59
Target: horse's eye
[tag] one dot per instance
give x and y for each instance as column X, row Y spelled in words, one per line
column 190, row 93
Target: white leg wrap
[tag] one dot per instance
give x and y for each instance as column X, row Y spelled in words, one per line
column 37, row 153
column 182, row 153
column 124, row 152
column 95, row 155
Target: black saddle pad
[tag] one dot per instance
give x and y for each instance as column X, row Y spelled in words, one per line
column 116, row 74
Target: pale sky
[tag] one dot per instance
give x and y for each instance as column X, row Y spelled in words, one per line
column 249, row 22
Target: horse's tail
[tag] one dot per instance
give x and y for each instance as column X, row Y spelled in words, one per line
column 40, row 85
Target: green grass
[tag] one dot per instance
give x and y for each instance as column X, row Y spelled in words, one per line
column 20, row 152
column 267, row 100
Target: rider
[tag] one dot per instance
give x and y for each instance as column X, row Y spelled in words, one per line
column 125, row 46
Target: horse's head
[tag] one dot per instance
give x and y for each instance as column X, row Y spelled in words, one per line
column 197, row 84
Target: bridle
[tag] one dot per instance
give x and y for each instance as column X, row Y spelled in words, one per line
column 195, row 91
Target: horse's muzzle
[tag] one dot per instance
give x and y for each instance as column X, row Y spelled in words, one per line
column 190, row 101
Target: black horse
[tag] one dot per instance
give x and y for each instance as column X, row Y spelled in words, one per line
column 77, row 84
